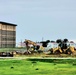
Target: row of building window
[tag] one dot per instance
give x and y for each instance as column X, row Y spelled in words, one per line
column 7, row 42
column 8, row 39
column 7, row 45
column 4, row 32
column 8, row 27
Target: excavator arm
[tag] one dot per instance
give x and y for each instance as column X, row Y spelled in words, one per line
column 29, row 42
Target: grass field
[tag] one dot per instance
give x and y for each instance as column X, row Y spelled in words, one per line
column 38, row 67
column 12, row 49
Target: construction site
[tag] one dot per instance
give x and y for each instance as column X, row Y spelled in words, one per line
column 40, row 58
column 58, row 48
column 47, row 48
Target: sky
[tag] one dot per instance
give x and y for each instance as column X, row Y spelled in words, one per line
column 40, row 19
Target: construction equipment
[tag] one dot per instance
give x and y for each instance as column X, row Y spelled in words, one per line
column 57, row 50
column 32, row 46
column 60, row 46
column 66, row 46
column 53, row 48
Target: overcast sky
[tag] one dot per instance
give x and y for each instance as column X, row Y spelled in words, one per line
column 50, row 19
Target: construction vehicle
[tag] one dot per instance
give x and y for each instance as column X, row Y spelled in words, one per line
column 66, row 46
column 61, row 47
column 53, row 48
column 33, row 46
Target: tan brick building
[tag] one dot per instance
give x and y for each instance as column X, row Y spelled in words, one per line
column 7, row 35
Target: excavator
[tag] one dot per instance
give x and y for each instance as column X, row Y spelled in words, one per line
column 66, row 46
column 33, row 46
column 53, row 48
column 62, row 47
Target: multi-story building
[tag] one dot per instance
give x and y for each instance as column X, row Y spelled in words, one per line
column 7, row 35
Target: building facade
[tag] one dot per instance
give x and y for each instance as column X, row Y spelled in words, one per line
column 7, row 35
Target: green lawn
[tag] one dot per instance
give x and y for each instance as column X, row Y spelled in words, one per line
column 12, row 49
column 38, row 67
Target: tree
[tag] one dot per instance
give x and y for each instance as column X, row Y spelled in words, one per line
column 58, row 41
column 65, row 40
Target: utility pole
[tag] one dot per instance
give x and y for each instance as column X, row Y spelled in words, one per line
column 42, row 38
column 21, row 43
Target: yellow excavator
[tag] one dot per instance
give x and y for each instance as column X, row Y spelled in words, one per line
column 66, row 46
column 31, row 46
column 62, row 47
column 55, row 49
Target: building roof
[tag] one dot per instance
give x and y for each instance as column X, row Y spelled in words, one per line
column 5, row 23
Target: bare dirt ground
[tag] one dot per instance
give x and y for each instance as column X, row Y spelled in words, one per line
column 42, row 55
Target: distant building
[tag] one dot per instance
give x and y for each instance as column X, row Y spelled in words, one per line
column 7, row 35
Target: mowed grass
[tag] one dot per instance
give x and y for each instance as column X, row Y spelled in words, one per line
column 12, row 49
column 38, row 67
